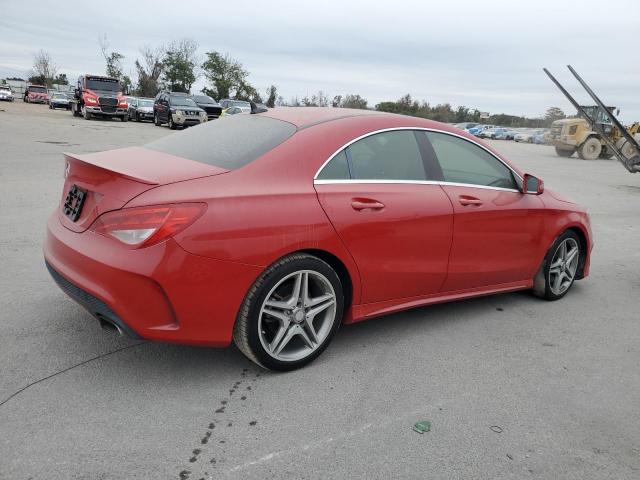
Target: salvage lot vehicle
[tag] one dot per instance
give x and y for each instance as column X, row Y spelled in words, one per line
column 6, row 94
column 527, row 135
column 209, row 105
column 204, row 236
column 100, row 97
column 59, row 100
column 140, row 109
column 241, row 104
column 36, row 94
column 177, row 110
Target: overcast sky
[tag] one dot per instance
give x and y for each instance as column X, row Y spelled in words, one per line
column 482, row 54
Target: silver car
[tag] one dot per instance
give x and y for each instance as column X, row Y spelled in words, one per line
column 6, row 93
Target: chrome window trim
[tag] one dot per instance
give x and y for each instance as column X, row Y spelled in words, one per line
column 414, row 182
column 424, row 129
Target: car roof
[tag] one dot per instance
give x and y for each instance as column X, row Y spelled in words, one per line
column 303, row 117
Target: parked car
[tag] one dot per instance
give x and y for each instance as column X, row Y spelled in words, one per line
column 540, row 138
column 177, row 110
column 527, row 136
column 227, row 103
column 36, row 94
column 203, row 237
column 506, row 134
column 233, row 111
column 140, row 109
column 491, row 132
column 209, row 105
column 6, row 94
column 59, row 100
column 478, row 129
column 465, row 125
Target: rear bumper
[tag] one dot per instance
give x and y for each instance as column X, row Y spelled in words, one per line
column 158, row 293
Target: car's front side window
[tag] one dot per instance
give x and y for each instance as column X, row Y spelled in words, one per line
column 464, row 162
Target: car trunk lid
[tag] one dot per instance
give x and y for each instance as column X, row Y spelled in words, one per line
column 99, row 182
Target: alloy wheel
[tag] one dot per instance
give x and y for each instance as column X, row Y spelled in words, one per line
column 297, row 315
column 564, row 265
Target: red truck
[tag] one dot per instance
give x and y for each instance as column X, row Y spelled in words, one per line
column 100, row 97
column 36, row 94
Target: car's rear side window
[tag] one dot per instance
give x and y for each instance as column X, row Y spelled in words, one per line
column 336, row 169
column 387, row 156
column 229, row 143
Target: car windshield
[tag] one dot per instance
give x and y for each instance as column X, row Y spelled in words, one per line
column 59, row 95
column 104, row 84
column 38, row 89
column 180, row 101
column 228, row 144
column 5, row 87
column 203, row 99
column 145, row 103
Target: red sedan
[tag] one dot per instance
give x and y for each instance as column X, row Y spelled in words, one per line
column 272, row 229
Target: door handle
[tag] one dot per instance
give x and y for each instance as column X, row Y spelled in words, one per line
column 467, row 200
column 365, row 204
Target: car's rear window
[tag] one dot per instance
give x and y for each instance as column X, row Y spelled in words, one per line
column 229, row 143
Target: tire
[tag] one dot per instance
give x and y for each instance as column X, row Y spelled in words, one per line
column 297, row 339
column 137, row 117
column 156, row 120
column 627, row 148
column 86, row 114
column 74, row 111
column 564, row 153
column 124, row 118
column 590, row 149
column 557, row 264
column 172, row 125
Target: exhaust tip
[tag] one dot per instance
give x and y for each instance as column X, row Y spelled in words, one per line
column 109, row 326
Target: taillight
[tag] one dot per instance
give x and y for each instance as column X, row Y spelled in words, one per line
column 145, row 226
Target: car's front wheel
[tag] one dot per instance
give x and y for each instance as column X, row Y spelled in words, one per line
column 290, row 314
column 559, row 268
column 171, row 123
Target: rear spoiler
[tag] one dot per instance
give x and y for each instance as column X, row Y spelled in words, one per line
column 146, row 166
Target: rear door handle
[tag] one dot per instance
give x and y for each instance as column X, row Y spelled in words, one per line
column 364, row 204
column 467, row 200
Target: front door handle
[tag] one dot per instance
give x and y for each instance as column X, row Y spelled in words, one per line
column 467, row 200
column 366, row 204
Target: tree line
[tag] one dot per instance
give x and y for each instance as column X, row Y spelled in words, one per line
column 177, row 65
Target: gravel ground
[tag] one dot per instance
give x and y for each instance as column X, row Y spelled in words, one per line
column 515, row 387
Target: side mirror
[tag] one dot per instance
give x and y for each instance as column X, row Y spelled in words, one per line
column 532, row 185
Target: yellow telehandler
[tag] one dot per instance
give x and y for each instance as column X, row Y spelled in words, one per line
column 597, row 133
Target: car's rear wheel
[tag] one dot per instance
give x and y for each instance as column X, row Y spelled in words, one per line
column 290, row 314
column 559, row 268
